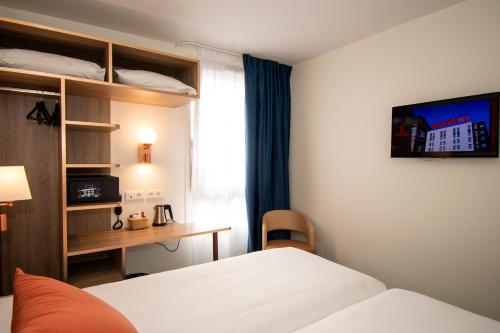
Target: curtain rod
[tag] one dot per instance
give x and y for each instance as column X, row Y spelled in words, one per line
column 192, row 44
column 30, row 91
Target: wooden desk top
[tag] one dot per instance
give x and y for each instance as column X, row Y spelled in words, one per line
column 110, row 240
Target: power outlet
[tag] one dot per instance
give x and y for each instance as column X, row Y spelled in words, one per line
column 155, row 194
column 134, row 195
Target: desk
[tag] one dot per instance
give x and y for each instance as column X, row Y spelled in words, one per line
column 115, row 242
column 110, row 240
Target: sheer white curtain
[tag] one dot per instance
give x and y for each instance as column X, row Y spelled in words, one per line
column 217, row 195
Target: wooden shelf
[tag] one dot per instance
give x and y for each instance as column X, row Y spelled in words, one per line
column 125, row 93
column 21, row 78
column 54, row 35
column 73, row 208
column 92, row 166
column 91, row 126
column 109, row 240
column 94, row 272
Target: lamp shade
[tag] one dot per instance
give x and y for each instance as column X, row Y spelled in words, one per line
column 147, row 136
column 13, row 184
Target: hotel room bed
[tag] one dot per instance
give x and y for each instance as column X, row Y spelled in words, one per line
column 402, row 311
column 279, row 290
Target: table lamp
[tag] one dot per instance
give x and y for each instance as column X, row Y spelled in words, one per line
column 13, row 187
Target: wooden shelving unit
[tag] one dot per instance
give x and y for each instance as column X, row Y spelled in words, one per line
column 96, row 89
column 92, row 166
column 91, row 126
column 85, row 117
column 106, row 268
column 125, row 93
column 93, row 272
column 74, row 208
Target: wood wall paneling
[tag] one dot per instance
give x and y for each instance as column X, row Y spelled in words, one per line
column 32, row 239
column 88, row 146
column 88, row 221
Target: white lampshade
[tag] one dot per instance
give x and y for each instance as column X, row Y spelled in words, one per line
column 147, row 136
column 13, row 184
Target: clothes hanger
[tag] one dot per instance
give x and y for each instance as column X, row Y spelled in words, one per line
column 42, row 116
column 56, row 115
column 47, row 119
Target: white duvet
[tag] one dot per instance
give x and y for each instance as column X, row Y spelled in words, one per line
column 279, row 290
column 402, row 311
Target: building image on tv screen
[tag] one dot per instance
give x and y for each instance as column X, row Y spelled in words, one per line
column 458, row 126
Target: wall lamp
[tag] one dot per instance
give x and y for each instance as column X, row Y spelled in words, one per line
column 147, row 137
column 13, row 187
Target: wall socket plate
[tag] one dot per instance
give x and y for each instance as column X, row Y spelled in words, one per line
column 134, row 195
column 155, row 194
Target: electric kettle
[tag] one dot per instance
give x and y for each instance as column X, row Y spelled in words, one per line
column 160, row 215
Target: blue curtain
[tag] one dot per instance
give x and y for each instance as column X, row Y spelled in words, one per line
column 267, row 93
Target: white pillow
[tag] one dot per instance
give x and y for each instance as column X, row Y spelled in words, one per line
column 50, row 63
column 153, row 80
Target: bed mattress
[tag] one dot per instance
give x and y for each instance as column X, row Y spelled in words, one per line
column 278, row 290
column 397, row 311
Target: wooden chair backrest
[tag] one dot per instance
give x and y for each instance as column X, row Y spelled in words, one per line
column 287, row 220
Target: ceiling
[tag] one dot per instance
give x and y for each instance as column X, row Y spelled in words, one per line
column 288, row 31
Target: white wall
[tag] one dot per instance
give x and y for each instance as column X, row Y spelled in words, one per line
column 168, row 170
column 429, row 226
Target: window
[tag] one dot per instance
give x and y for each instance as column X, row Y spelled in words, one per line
column 217, row 193
column 470, row 145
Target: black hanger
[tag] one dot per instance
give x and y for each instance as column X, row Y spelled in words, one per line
column 56, row 115
column 42, row 116
column 47, row 119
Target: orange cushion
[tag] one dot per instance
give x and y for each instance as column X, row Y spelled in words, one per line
column 42, row 304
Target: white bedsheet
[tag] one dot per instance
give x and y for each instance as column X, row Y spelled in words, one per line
column 279, row 290
column 5, row 313
column 402, row 311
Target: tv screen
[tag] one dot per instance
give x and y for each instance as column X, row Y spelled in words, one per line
column 458, row 127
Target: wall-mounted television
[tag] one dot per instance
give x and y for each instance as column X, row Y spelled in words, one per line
column 457, row 127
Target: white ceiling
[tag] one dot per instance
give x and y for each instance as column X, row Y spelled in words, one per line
column 288, row 31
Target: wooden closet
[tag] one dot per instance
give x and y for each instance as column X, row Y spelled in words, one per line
column 43, row 231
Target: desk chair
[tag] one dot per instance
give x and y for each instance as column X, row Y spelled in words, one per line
column 288, row 220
